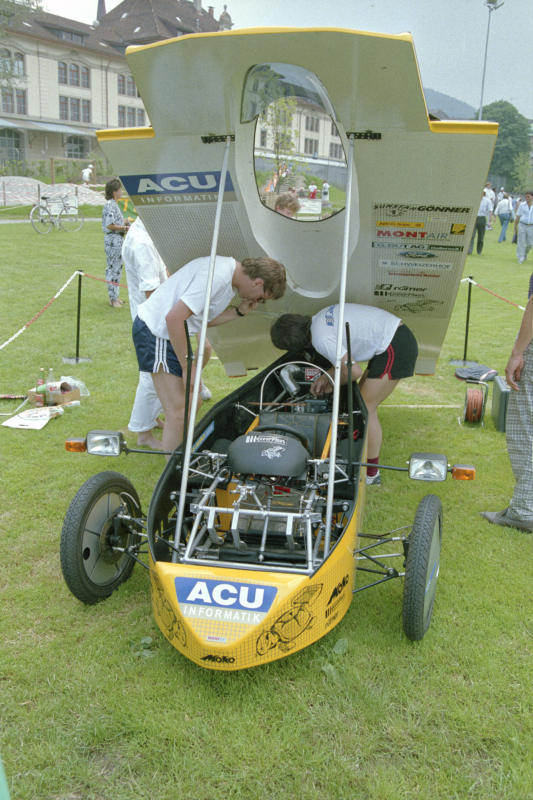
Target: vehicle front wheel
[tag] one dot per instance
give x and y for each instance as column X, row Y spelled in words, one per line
column 95, row 536
column 422, row 567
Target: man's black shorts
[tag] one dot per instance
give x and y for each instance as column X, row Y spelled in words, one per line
column 399, row 359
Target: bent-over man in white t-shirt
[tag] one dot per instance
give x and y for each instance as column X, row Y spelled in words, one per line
column 376, row 336
column 159, row 332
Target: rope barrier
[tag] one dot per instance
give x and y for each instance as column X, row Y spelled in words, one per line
column 43, row 309
column 489, row 291
column 103, row 280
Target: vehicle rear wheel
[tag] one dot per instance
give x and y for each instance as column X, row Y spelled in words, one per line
column 41, row 219
column 71, row 219
column 422, row 567
column 94, row 536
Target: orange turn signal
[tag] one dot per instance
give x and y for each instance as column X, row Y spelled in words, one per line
column 463, row 472
column 76, row 445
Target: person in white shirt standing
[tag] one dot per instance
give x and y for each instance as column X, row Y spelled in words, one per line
column 145, row 271
column 524, row 227
column 483, row 216
column 504, row 211
column 86, row 174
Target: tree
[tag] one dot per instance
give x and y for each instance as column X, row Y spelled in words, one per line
column 513, row 139
column 12, row 14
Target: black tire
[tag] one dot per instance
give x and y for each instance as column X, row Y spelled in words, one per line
column 91, row 567
column 422, row 567
column 71, row 219
column 41, row 219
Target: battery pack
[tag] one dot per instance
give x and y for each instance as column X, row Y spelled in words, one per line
column 500, row 396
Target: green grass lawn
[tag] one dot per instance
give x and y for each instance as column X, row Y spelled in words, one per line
column 97, row 705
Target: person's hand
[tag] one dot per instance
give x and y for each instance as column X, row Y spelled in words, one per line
column 513, row 371
column 322, row 385
column 245, row 306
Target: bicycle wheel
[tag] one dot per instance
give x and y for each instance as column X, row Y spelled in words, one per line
column 41, row 219
column 71, row 219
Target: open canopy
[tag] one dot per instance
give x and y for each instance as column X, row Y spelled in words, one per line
column 416, row 184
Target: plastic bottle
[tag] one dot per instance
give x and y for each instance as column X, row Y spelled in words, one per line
column 52, row 387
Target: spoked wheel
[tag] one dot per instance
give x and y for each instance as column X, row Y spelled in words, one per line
column 422, row 567
column 94, row 537
column 71, row 219
column 41, row 219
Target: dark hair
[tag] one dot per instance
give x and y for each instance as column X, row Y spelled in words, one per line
column 291, row 332
column 271, row 272
column 112, row 186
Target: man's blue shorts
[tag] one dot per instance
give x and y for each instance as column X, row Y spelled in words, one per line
column 154, row 354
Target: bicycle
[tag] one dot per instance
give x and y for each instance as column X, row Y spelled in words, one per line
column 53, row 212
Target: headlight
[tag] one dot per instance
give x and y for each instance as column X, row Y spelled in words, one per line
column 105, row 443
column 428, row 467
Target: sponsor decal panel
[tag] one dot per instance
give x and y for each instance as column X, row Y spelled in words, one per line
column 425, row 250
column 224, row 601
column 171, row 188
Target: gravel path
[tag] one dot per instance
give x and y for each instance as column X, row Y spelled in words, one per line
column 16, row 190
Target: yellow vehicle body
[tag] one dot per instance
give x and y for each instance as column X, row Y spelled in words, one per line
column 237, row 619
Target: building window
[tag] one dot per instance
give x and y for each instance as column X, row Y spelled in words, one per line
column 18, row 64
column 336, row 151
column 63, row 107
column 85, row 74
column 68, row 36
column 62, row 72
column 334, row 131
column 85, row 110
column 140, row 117
column 131, row 117
column 8, row 106
column 76, row 147
column 74, row 109
column 263, row 138
column 5, row 59
column 311, row 147
column 73, row 75
column 311, row 124
column 20, row 98
column 126, row 85
column 131, row 89
column 10, row 145
column 11, row 64
column 122, row 116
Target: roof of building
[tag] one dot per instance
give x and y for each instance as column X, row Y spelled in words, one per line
column 132, row 22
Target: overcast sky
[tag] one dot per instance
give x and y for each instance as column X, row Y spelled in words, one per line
column 449, row 36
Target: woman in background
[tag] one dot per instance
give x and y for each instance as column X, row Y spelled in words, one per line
column 114, row 229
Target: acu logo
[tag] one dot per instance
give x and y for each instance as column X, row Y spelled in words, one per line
column 175, row 183
column 227, row 594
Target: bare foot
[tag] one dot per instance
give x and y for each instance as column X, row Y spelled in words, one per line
column 159, row 423
column 148, row 440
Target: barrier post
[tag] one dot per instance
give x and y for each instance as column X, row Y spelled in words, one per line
column 468, row 302
column 77, row 358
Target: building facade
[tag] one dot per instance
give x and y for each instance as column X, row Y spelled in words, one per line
column 62, row 80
